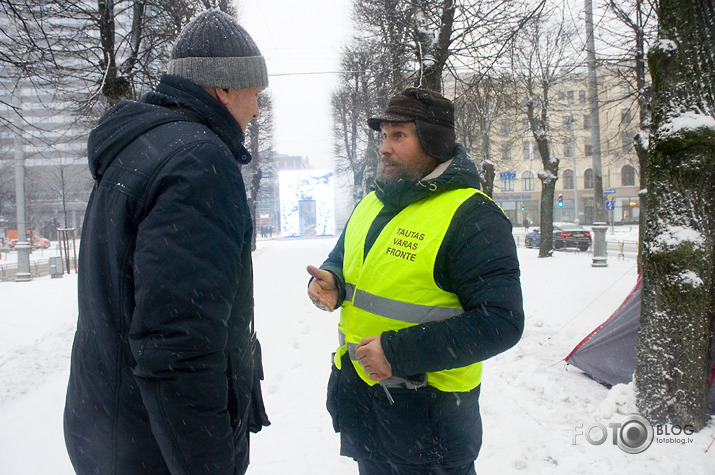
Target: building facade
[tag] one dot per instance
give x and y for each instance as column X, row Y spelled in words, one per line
column 517, row 186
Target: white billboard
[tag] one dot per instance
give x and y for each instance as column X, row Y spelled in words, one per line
column 307, row 203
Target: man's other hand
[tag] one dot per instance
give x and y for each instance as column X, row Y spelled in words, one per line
column 371, row 357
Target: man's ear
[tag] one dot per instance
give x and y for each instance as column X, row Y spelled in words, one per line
column 222, row 95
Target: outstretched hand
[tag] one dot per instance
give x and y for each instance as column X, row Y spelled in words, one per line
column 322, row 289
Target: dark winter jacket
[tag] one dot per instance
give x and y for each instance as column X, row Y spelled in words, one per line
column 161, row 369
column 477, row 261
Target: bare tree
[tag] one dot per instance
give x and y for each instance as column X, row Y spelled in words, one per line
column 627, row 38
column 65, row 180
column 360, row 95
column 678, row 295
column 72, row 60
column 96, row 53
column 410, row 43
column 477, row 107
column 541, row 57
column 259, row 141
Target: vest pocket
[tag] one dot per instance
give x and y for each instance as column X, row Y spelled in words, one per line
column 406, row 429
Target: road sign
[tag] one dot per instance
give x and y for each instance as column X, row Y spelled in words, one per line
column 610, row 205
column 609, row 191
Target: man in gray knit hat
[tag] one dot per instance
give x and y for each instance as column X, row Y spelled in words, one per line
column 162, row 365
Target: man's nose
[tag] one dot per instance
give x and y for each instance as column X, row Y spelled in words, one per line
column 384, row 148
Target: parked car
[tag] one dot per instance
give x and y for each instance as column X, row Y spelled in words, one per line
column 38, row 242
column 566, row 235
column 533, row 239
column 571, row 235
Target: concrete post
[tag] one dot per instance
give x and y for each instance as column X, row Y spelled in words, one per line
column 600, row 251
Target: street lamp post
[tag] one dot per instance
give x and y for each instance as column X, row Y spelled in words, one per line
column 600, row 258
column 575, row 179
column 22, row 247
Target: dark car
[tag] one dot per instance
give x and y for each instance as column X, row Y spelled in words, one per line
column 571, row 235
column 566, row 235
column 533, row 239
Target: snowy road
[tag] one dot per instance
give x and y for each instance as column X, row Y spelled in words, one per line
column 531, row 402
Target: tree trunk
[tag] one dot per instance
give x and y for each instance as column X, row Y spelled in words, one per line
column 677, row 308
column 548, row 186
column 433, row 54
column 488, row 178
column 549, row 175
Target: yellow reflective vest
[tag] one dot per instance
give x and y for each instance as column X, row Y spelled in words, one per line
column 393, row 286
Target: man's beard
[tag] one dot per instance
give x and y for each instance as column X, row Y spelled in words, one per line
column 399, row 173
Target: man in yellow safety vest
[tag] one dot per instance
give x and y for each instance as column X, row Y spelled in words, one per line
column 427, row 278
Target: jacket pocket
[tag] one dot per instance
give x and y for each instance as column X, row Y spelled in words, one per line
column 333, row 397
column 235, row 403
column 406, row 428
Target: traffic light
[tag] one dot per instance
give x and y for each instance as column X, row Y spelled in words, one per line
column 561, row 201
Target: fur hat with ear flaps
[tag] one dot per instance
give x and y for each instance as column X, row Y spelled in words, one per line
column 433, row 115
column 213, row 50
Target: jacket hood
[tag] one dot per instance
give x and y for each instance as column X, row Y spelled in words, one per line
column 175, row 99
column 119, row 127
column 458, row 172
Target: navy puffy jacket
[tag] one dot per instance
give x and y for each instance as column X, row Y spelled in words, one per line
column 161, row 365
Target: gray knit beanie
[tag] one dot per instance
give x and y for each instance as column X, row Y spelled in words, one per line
column 213, row 50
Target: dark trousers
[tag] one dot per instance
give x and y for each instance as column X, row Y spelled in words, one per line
column 370, row 467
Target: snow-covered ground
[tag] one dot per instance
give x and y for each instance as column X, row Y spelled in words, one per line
column 533, row 405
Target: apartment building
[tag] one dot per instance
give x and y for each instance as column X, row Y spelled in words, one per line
column 517, row 187
column 39, row 128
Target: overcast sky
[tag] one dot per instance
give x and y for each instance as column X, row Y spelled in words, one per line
column 300, row 39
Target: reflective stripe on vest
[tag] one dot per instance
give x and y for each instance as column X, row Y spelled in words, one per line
column 393, row 286
column 403, row 311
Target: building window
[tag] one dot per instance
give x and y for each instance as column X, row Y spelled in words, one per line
column 570, row 96
column 625, row 89
column 588, row 178
column 587, row 121
column 562, row 96
column 527, row 149
column 527, row 181
column 506, row 152
column 526, row 125
column 505, row 127
column 626, row 141
column 568, row 122
column 568, row 149
column 588, row 150
column 628, row 176
column 625, row 116
column 507, row 181
column 581, row 97
column 536, row 154
column 568, row 179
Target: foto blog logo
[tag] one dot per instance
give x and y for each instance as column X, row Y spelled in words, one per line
column 634, row 434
